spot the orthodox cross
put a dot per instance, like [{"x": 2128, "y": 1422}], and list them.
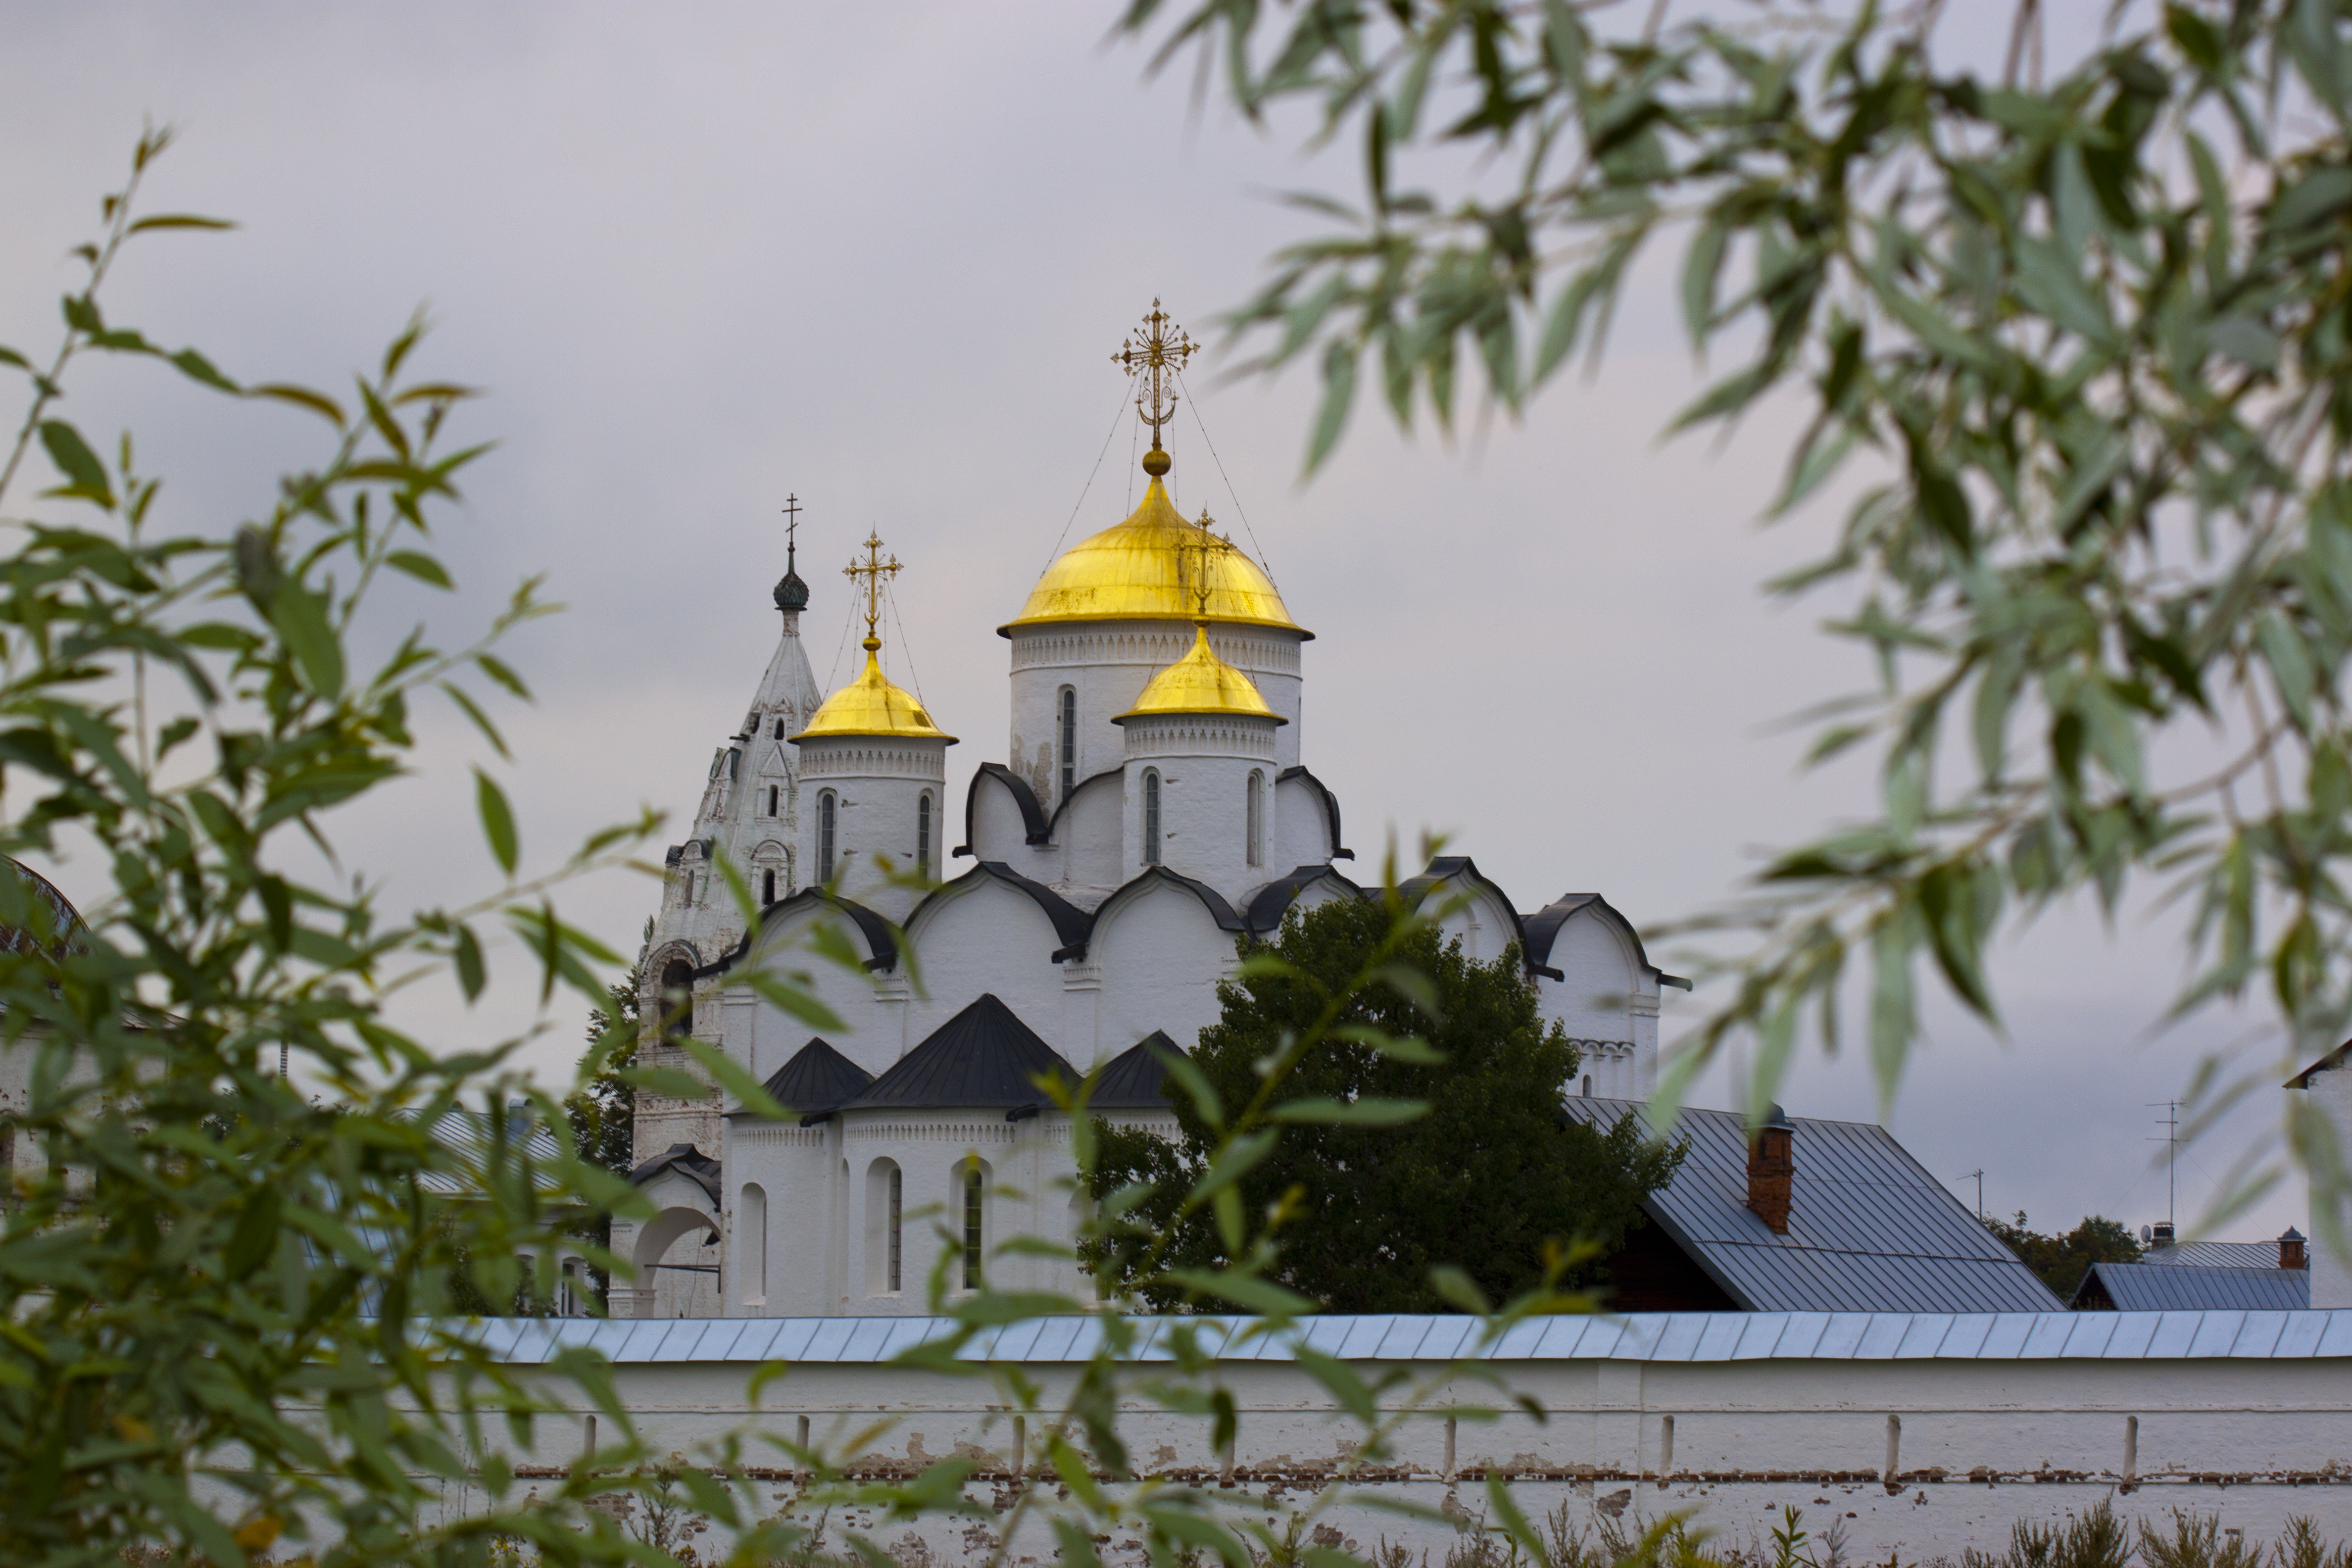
[
  {"x": 791, "y": 511},
  {"x": 873, "y": 569},
  {"x": 1160, "y": 348},
  {"x": 1193, "y": 558}
]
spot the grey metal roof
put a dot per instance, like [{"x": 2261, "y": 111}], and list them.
[
  {"x": 464, "y": 1133},
  {"x": 1383, "y": 1336},
  {"x": 1131, "y": 1079},
  {"x": 2188, "y": 1287},
  {"x": 983, "y": 1057},
  {"x": 688, "y": 1162},
  {"x": 817, "y": 1079},
  {"x": 1869, "y": 1229},
  {"x": 2216, "y": 1254}
]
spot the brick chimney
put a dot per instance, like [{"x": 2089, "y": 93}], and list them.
[
  {"x": 1770, "y": 1163},
  {"x": 2291, "y": 1254}
]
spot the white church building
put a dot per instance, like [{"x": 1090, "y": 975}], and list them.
[{"x": 1154, "y": 810}]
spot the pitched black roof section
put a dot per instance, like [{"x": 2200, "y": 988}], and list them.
[
  {"x": 1869, "y": 1229},
  {"x": 1330, "y": 806},
  {"x": 881, "y": 936},
  {"x": 1542, "y": 928},
  {"x": 1131, "y": 1080},
  {"x": 1033, "y": 815},
  {"x": 1072, "y": 925},
  {"x": 983, "y": 1058},
  {"x": 1462, "y": 868},
  {"x": 1271, "y": 903},
  {"x": 2328, "y": 1063},
  {"x": 1221, "y": 911},
  {"x": 817, "y": 1079},
  {"x": 688, "y": 1162}
]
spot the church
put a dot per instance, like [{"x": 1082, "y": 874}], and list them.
[{"x": 1154, "y": 808}]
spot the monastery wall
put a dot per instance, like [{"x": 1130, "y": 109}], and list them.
[{"x": 1918, "y": 1452}]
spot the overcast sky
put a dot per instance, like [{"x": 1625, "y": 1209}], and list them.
[{"x": 878, "y": 255}]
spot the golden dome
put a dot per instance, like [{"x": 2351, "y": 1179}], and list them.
[
  {"x": 1139, "y": 570},
  {"x": 871, "y": 705},
  {"x": 1200, "y": 682}
]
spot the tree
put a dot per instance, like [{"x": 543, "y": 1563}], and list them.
[
  {"x": 1484, "y": 1177},
  {"x": 2063, "y": 1261},
  {"x": 603, "y": 1111},
  {"x": 2077, "y": 345}
]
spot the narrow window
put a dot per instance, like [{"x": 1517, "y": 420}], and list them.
[
  {"x": 1254, "y": 828},
  {"x": 1151, "y": 816},
  {"x": 771, "y": 800},
  {"x": 971, "y": 1230},
  {"x": 780, "y": 728},
  {"x": 677, "y": 996},
  {"x": 768, "y": 887},
  {"x": 896, "y": 1255},
  {"x": 751, "y": 1216},
  {"x": 1069, "y": 742},
  {"x": 825, "y": 835},
  {"x": 923, "y": 835},
  {"x": 1587, "y": 1086}
]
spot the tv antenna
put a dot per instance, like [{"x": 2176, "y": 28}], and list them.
[
  {"x": 1979, "y": 1175},
  {"x": 2171, "y": 1125}
]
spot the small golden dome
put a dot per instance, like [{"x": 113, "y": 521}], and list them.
[
  {"x": 871, "y": 705},
  {"x": 1138, "y": 571},
  {"x": 1200, "y": 682}
]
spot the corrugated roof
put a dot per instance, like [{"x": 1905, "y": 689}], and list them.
[
  {"x": 1869, "y": 1229},
  {"x": 1380, "y": 1337},
  {"x": 984, "y": 1056},
  {"x": 2189, "y": 1286},
  {"x": 1131, "y": 1080},
  {"x": 2216, "y": 1254},
  {"x": 464, "y": 1133},
  {"x": 817, "y": 1079}
]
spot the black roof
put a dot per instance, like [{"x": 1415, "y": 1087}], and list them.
[
  {"x": 817, "y": 1079},
  {"x": 1462, "y": 868},
  {"x": 1268, "y": 904},
  {"x": 1330, "y": 806},
  {"x": 1869, "y": 1229},
  {"x": 1072, "y": 925},
  {"x": 1212, "y": 901},
  {"x": 1131, "y": 1080},
  {"x": 1033, "y": 815},
  {"x": 2328, "y": 1063},
  {"x": 688, "y": 1162},
  {"x": 881, "y": 936},
  {"x": 984, "y": 1056}
]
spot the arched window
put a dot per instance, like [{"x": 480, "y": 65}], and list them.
[
  {"x": 771, "y": 800},
  {"x": 780, "y": 728},
  {"x": 752, "y": 1233},
  {"x": 1587, "y": 1086},
  {"x": 678, "y": 996},
  {"x": 1069, "y": 741},
  {"x": 973, "y": 1193},
  {"x": 1253, "y": 827},
  {"x": 1151, "y": 816},
  {"x": 767, "y": 887},
  {"x": 885, "y": 1189},
  {"x": 824, "y": 809},
  {"x": 923, "y": 835}
]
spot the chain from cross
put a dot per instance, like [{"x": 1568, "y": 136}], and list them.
[
  {"x": 874, "y": 569},
  {"x": 1192, "y": 560},
  {"x": 1160, "y": 348}
]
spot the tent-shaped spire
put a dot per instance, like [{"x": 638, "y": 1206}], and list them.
[{"x": 983, "y": 1057}]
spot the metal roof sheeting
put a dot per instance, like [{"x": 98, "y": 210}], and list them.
[
  {"x": 1650, "y": 1337},
  {"x": 1869, "y": 1229},
  {"x": 2181, "y": 1287},
  {"x": 2216, "y": 1254}
]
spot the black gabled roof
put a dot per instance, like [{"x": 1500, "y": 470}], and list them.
[
  {"x": 1462, "y": 868},
  {"x": 688, "y": 1162},
  {"x": 1072, "y": 925},
  {"x": 983, "y": 1057},
  {"x": 817, "y": 1079},
  {"x": 1330, "y": 806},
  {"x": 1267, "y": 905},
  {"x": 1033, "y": 815},
  {"x": 1131, "y": 1080},
  {"x": 881, "y": 936},
  {"x": 1212, "y": 901}
]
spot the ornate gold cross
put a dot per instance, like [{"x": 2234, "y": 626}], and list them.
[
  {"x": 1193, "y": 559},
  {"x": 873, "y": 569},
  {"x": 1160, "y": 348}
]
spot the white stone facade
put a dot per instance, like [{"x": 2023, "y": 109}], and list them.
[{"x": 1056, "y": 895}]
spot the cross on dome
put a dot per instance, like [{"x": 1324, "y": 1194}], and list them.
[
  {"x": 873, "y": 569},
  {"x": 1155, "y": 351}
]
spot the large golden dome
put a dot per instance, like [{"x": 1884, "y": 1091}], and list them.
[
  {"x": 1140, "y": 571},
  {"x": 871, "y": 705},
  {"x": 1200, "y": 682}
]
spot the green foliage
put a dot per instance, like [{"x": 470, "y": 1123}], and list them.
[
  {"x": 227, "y": 1291},
  {"x": 1452, "y": 1152},
  {"x": 2062, "y": 1260},
  {"x": 2093, "y": 1539},
  {"x": 602, "y": 1111},
  {"x": 2078, "y": 349}
]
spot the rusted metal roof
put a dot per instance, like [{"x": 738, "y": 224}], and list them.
[
  {"x": 1869, "y": 1229},
  {"x": 1383, "y": 1336}
]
